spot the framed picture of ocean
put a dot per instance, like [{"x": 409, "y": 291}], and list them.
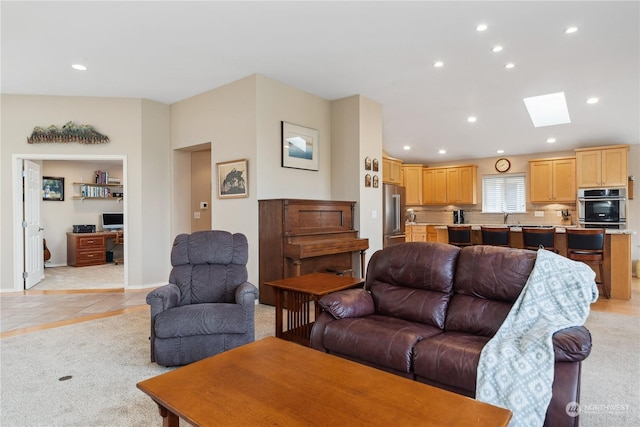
[{"x": 300, "y": 147}]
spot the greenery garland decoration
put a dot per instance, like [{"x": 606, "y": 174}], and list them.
[{"x": 84, "y": 134}]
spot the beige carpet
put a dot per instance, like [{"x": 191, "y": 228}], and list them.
[
  {"x": 107, "y": 276},
  {"x": 107, "y": 357}
]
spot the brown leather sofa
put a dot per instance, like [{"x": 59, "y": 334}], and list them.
[{"x": 427, "y": 311}]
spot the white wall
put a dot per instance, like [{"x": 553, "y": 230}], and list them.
[
  {"x": 242, "y": 121},
  {"x": 356, "y": 128},
  {"x": 277, "y": 102},
  {"x": 122, "y": 120}
]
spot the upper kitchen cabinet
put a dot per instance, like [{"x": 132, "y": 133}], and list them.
[
  {"x": 450, "y": 185},
  {"x": 552, "y": 180},
  {"x": 391, "y": 170},
  {"x": 462, "y": 185},
  {"x": 602, "y": 166},
  {"x": 412, "y": 176},
  {"x": 434, "y": 186}
]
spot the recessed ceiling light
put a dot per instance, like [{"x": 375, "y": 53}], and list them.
[
  {"x": 497, "y": 48},
  {"x": 571, "y": 30},
  {"x": 79, "y": 67},
  {"x": 438, "y": 64},
  {"x": 500, "y": 151},
  {"x": 547, "y": 110},
  {"x": 406, "y": 147},
  {"x": 472, "y": 119},
  {"x": 551, "y": 140},
  {"x": 481, "y": 27},
  {"x": 509, "y": 65},
  {"x": 593, "y": 100},
  {"x": 442, "y": 151}
]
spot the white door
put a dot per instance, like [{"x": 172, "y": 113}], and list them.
[{"x": 33, "y": 243}]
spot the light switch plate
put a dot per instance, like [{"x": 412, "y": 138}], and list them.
[
  {"x": 196, "y": 215},
  {"x": 538, "y": 213}
]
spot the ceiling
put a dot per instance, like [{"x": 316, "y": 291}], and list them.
[{"x": 169, "y": 51}]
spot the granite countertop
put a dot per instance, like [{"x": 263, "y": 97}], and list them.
[{"x": 518, "y": 227}]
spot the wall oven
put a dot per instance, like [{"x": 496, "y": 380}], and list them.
[{"x": 602, "y": 207}]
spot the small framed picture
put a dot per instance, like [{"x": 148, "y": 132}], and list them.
[
  {"x": 232, "y": 179},
  {"x": 375, "y": 181},
  {"x": 53, "y": 188},
  {"x": 300, "y": 147},
  {"x": 367, "y": 164},
  {"x": 375, "y": 166},
  {"x": 367, "y": 180}
]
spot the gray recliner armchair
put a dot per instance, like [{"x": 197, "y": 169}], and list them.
[{"x": 208, "y": 306}]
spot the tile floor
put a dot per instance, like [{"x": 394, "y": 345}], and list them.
[{"x": 29, "y": 309}]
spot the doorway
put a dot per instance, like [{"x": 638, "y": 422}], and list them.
[{"x": 56, "y": 223}]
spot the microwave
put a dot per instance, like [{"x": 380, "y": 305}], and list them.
[{"x": 602, "y": 207}]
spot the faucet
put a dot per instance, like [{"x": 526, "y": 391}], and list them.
[{"x": 505, "y": 215}]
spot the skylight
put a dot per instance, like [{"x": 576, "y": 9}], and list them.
[{"x": 547, "y": 110}]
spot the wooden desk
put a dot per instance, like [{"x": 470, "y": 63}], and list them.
[
  {"x": 299, "y": 292},
  {"x": 275, "y": 382},
  {"x": 85, "y": 249}
]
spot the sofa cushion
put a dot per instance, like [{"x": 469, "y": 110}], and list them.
[
  {"x": 413, "y": 281},
  {"x": 381, "y": 340},
  {"x": 488, "y": 281},
  {"x": 449, "y": 358},
  {"x": 201, "y": 319}
]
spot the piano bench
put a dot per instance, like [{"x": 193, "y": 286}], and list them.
[{"x": 340, "y": 271}]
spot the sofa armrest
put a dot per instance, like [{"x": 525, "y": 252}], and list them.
[
  {"x": 572, "y": 344},
  {"x": 317, "y": 331},
  {"x": 246, "y": 294},
  {"x": 348, "y": 303},
  {"x": 163, "y": 298}
]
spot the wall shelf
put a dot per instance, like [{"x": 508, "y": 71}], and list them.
[{"x": 93, "y": 191}]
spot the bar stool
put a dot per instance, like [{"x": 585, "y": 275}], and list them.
[
  {"x": 539, "y": 238},
  {"x": 587, "y": 245},
  {"x": 495, "y": 236},
  {"x": 459, "y": 235}
]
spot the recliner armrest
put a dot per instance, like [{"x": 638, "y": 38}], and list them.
[
  {"x": 246, "y": 293},
  {"x": 572, "y": 344},
  {"x": 163, "y": 298},
  {"x": 348, "y": 303}
]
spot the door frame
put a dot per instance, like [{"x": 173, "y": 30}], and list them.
[{"x": 18, "y": 243}]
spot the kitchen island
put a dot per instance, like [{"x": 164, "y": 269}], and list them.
[{"x": 617, "y": 251}]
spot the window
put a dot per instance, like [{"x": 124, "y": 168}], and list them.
[{"x": 503, "y": 193}]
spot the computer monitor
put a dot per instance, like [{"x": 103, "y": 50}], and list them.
[{"x": 112, "y": 220}]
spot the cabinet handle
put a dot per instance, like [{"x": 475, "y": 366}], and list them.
[{"x": 89, "y": 241}]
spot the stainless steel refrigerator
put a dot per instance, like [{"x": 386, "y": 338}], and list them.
[{"x": 393, "y": 215}]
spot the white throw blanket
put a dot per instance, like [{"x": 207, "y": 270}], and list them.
[{"x": 516, "y": 366}]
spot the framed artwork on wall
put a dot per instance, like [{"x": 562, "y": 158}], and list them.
[
  {"x": 232, "y": 179},
  {"x": 300, "y": 147},
  {"x": 53, "y": 188}
]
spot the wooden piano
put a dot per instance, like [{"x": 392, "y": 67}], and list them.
[{"x": 299, "y": 237}]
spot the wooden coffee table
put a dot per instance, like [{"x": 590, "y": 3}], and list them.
[
  {"x": 300, "y": 291},
  {"x": 275, "y": 382}
]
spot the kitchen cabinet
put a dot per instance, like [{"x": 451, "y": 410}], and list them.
[
  {"x": 418, "y": 233},
  {"x": 434, "y": 186},
  {"x": 450, "y": 185},
  {"x": 391, "y": 170},
  {"x": 552, "y": 180},
  {"x": 602, "y": 166},
  {"x": 462, "y": 184},
  {"x": 412, "y": 176}
]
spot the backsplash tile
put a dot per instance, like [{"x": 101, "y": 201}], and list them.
[{"x": 444, "y": 215}]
